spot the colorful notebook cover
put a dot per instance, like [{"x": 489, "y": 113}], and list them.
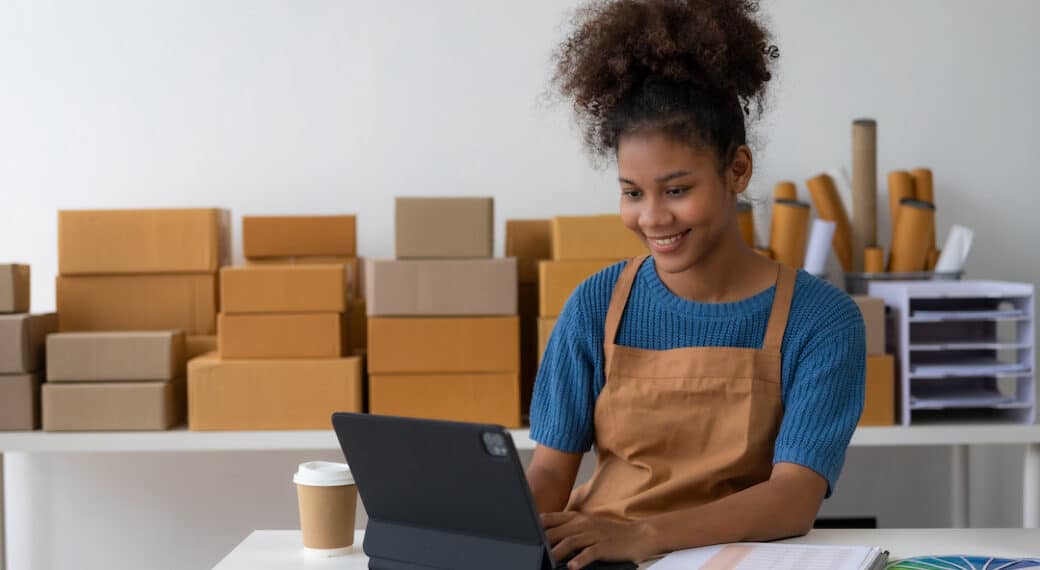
[{"x": 963, "y": 563}]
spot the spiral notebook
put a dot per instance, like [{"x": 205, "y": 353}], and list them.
[{"x": 758, "y": 555}]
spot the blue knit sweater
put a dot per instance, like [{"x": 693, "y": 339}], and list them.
[{"x": 823, "y": 360}]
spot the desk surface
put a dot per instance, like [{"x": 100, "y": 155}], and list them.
[{"x": 283, "y": 549}]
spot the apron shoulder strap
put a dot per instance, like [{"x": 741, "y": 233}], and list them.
[
  {"x": 619, "y": 298},
  {"x": 774, "y": 338}
]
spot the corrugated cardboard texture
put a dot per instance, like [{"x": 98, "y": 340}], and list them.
[
  {"x": 138, "y": 302},
  {"x": 19, "y": 402},
  {"x": 593, "y": 237},
  {"x": 558, "y": 279},
  {"x": 528, "y": 308},
  {"x": 545, "y": 327},
  {"x": 14, "y": 288},
  {"x": 106, "y": 406},
  {"x": 271, "y": 394},
  {"x": 22, "y": 340},
  {"x": 879, "y": 406},
  {"x": 357, "y": 326},
  {"x": 353, "y": 267},
  {"x": 423, "y": 345},
  {"x": 288, "y": 236},
  {"x": 529, "y": 241},
  {"x": 197, "y": 345},
  {"x": 283, "y": 289},
  {"x": 102, "y": 242},
  {"x": 873, "y": 310},
  {"x": 483, "y": 398},
  {"x": 445, "y": 287},
  {"x": 115, "y": 356},
  {"x": 434, "y": 228},
  {"x": 292, "y": 335}
]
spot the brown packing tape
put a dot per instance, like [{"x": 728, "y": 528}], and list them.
[
  {"x": 864, "y": 188},
  {"x": 829, "y": 207},
  {"x": 910, "y": 240},
  {"x": 746, "y": 220},
  {"x": 874, "y": 260},
  {"x": 900, "y": 187},
  {"x": 789, "y": 232},
  {"x": 924, "y": 190},
  {"x": 785, "y": 190}
]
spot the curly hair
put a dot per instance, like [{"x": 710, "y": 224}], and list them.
[{"x": 690, "y": 68}]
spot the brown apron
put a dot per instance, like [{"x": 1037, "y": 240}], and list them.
[{"x": 679, "y": 428}]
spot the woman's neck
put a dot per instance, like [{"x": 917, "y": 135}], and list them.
[{"x": 732, "y": 271}]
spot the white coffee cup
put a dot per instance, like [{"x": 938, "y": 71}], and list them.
[{"x": 328, "y": 504}]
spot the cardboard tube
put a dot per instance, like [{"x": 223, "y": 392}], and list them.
[
  {"x": 900, "y": 187},
  {"x": 829, "y": 207},
  {"x": 864, "y": 188},
  {"x": 746, "y": 220},
  {"x": 955, "y": 250},
  {"x": 910, "y": 239},
  {"x": 925, "y": 192},
  {"x": 764, "y": 252},
  {"x": 821, "y": 235},
  {"x": 931, "y": 260},
  {"x": 874, "y": 260},
  {"x": 789, "y": 232},
  {"x": 785, "y": 190}
]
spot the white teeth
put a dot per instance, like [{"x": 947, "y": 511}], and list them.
[{"x": 668, "y": 241}]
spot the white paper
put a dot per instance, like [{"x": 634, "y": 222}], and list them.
[
  {"x": 955, "y": 250},
  {"x": 755, "y": 556},
  {"x": 843, "y": 184},
  {"x": 820, "y": 236}
]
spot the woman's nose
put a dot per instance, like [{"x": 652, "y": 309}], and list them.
[{"x": 655, "y": 214}]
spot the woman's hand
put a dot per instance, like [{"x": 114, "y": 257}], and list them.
[{"x": 595, "y": 538}]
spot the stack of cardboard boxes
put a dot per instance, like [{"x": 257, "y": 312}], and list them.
[
  {"x": 529, "y": 241},
  {"x": 21, "y": 350},
  {"x": 442, "y": 329},
  {"x": 150, "y": 275},
  {"x": 581, "y": 246},
  {"x": 282, "y": 332},
  {"x": 879, "y": 407}
]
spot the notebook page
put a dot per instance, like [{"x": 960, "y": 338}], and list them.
[{"x": 767, "y": 556}]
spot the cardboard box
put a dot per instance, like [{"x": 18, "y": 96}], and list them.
[
  {"x": 420, "y": 345},
  {"x": 545, "y": 327},
  {"x": 197, "y": 345},
  {"x": 115, "y": 356},
  {"x": 879, "y": 407},
  {"x": 353, "y": 265},
  {"x": 447, "y": 287},
  {"x": 290, "y": 335},
  {"x": 104, "y": 406},
  {"x": 873, "y": 309},
  {"x": 19, "y": 402},
  {"x": 14, "y": 288},
  {"x": 105, "y": 242},
  {"x": 283, "y": 289},
  {"x": 436, "y": 228},
  {"x": 22, "y": 341},
  {"x": 482, "y": 398},
  {"x": 558, "y": 279},
  {"x": 357, "y": 326},
  {"x": 271, "y": 394},
  {"x": 529, "y": 241},
  {"x": 593, "y": 237},
  {"x": 286, "y": 236},
  {"x": 138, "y": 303}
]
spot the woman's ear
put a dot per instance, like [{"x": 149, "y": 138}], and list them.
[{"x": 738, "y": 173}]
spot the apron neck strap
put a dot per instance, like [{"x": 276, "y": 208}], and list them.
[
  {"x": 619, "y": 298},
  {"x": 786, "y": 276}
]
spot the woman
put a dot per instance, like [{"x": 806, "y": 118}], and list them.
[{"x": 720, "y": 388}]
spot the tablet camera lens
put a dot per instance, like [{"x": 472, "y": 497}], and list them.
[{"x": 495, "y": 444}]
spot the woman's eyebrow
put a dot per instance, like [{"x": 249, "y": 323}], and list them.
[{"x": 665, "y": 178}]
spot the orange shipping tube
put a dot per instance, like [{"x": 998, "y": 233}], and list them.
[
  {"x": 785, "y": 190},
  {"x": 789, "y": 232},
  {"x": 829, "y": 207},
  {"x": 900, "y": 187},
  {"x": 933, "y": 258},
  {"x": 910, "y": 239},
  {"x": 874, "y": 260},
  {"x": 746, "y": 219},
  {"x": 864, "y": 188},
  {"x": 924, "y": 191}
]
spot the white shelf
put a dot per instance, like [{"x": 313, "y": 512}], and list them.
[{"x": 927, "y": 347}]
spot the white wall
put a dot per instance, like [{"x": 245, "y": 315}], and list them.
[{"x": 269, "y": 106}]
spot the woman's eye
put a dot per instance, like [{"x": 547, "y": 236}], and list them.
[
  {"x": 632, "y": 194},
  {"x": 676, "y": 191}
]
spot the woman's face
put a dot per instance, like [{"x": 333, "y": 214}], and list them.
[{"x": 674, "y": 198}]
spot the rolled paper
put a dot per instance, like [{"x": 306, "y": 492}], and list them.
[
  {"x": 864, "y": 188},
  {"x": 764, "y": 252},
  {"x": 820, "y": 236},
  {"x": 955, "y": 251},
  {"x": 874, "y": 260},
  {"x": 900, "y": 187},
  {"x": 829, "y": 207},
  {"x": 931, "y": 260},
  {"x": 924, "y": 191},
  {"x": 910, "y": 239},
  {"x": 746, "y": 220},
  {"x": 785, "y": 190},
  {"x": 789, "y": 232}
]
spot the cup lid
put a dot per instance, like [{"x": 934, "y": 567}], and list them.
[{"x": 323, "y": 474}]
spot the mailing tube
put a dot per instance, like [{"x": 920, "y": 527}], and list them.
[
  {"x": 864, "y": 188},
  {"x": 931, "y": 260},
  {"x": 910, "y": 240},
  {"x": 874, "y": 260},
  {"x": 924, "y": 190},
  {"x": 789, "y": 232},
  {"x": 900, "y": 187},
  {"x": 820, "y": 237},
  {"x": 785, "y": 190},
  {"x": 829, "y": 207}
]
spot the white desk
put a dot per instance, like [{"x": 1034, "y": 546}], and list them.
[
  {"x": 959, "y": 437},
  {"x": 283, "y": 549}
]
